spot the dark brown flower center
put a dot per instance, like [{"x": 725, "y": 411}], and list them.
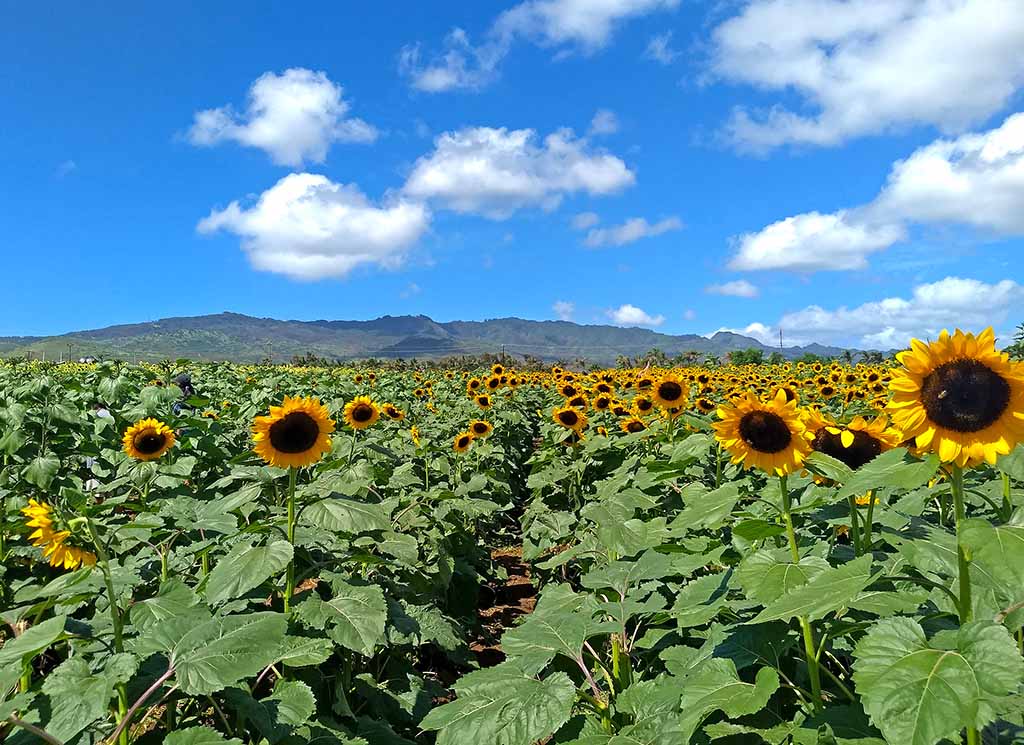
[
  {"x": 362, "y": 413},
  {"x": 149, "y": 442},
  {"x": 296, "y": 432},
  {"x": 463, "y": 442},
  {"x": 670, "y": 391},
  {"x": 765, "y": 431},
  {"x": 636, "y": 426},
  {"x": 864, "y": 449},
  {"x": 644, "y": 404},
  {"x": 965, "y": 395},
  {"x": 480, "y": 428},
  {"x": 568, "y": 418}
]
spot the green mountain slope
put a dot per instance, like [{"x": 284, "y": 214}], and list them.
[{"x": 240, "y": 338}]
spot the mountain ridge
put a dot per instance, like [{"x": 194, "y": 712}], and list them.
[{"x": 241, "y": 338}]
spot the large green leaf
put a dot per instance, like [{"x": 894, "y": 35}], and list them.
[
  {"x": 32, "y": 641},
  {"x": 245, "y": 567},
  {"x": 717, "y": 687},
  {"x": 41, "y": 470},
  {"x": 917, "y": 693},
  {"x": 706, "y": 509},
  {"x": 769, "y": 574},
  {"x": 823, "y": 594},
  {"x": 895, "y": 468},
  {"x": 346, "y": 516},
  {"x": 354, "y": 616},
  {"x": 998, "y": 551},
  {"x": 503, "y": 706},
  {"x": 561, "y": 623},
  {"x": 217, "y": 653},
  {"x": 78, "y": 696},
  {"x": 700, "y": 600}
]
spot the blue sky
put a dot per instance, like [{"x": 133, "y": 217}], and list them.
[{"x": 811, "y": 165}]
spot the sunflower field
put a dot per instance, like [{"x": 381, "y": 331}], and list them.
[{"x": 817, "y": 554}]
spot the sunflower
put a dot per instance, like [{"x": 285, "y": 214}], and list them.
[
  {"x": 578, "y": 402},
  {"x": 568, "y": 390},
  {"x": 959, "y": 398},
  {"x": 414, "y": 433},
  {"x": 705, "y": 405},
  {"x": 480, "y": 428},
  {"x": 393, "y": 412},
  {"x": 462, "y": 442},
  {"x": 643, "y": 405},
  {"x": 602, "y": 401},
  {"x": 856, "y": 443},
  {"x": 361, "y": 412},
  {"x": 54, "y": 542},
  {"x": 569, "y": 418},
  {"x": 295, "y": 434},
  {"x": 669, "y": 391},
  {"x": 633, "y": 425},
  {"x": 769, "y": 436},
  {"x": 483, "y": 401},
  {"x": 493, "y": 383},
  {"x": 497, "y": 369},
  {"x": 148, "y": 439}
]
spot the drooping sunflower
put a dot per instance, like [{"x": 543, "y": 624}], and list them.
[
  {"x": 54, "y": 542},
  {"x": 569, "y": 418},
  {"x": 361, "y": 412},
  {"x": 769, "y": 436},
  {"x": 462, "y": 442},
  {"x": 856, "y": 443},
  {"x": 959, "y": 397},
  {"x": 393, "y": 412},
  {"x": 294, "y": 434},
  {"x": 147, "y": 439},
  {"x": 633, "y": 425},
  {"x": 669, "y": 392},
  {"x": 480, "y": 428}
]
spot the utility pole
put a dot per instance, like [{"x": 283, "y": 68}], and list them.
[{"x": 780, "y": 340}]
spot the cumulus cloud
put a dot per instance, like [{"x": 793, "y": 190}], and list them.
[
  {"x": 494, "y": 172},
  {"x": 582, "y": 25},
  {"x": 564, "y": 310},
  {"x": 891, "y": 322},
  {"x": 736, "y": 288},
  {"x": 585, "y": 220},
  {"x": 307, "y": 227},
  {"x": 630, "y": 315},
  {"x": 758, "y": 331},
  {"x": 605, "y": 122},
  {"x": 866, "y": 67},
  {"x": 974, "y": 180},
  {"x": 659, "y": 49},
  {"x": 634, "y": 229},
  {"x": 294, "y": 117}
]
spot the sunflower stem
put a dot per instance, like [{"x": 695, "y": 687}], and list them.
[
  {"x": 115, "y": 619},
  {"x": 854, "y": 525},
  {"x": 718, "y": 464},
  {"x": 1007, "y": 504},
  {"x": 966, "y": 606},
  {"x": 810, "y": 651},
  {"x": 289, "y": 582},
  {"x": 869, "y": 521}
]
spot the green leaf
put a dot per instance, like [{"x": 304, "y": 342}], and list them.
[
  {"x": 199, "y": 736},
  {"x": 217, "y": 653},
  {"x": 174, "y": 599},
  {"x": 22, "y": 648},
  {"x": 825, "y": 593},
  {"x": 244, "y": 568},
  {"x": 829, "y": 467},
  {"x": 919, "y": 694},
  {"x": 346, "y": 516},
  {"x": 768, "y": 574},
  {"x": 303, "y": 651},
  {"x": 717, "y": 687},
  {"x": 79, "y": 697},
  {"x": 503, "y": 706},
  {"x": 560, "y": 624},
  {"x": 706, "y": 509},
  {"x": 354, "y": 617},
  {"x": 700, "y": 600},
  {"x": 894, "y": 468},
  {"x": 998, "y": 551},
  {"x": 41, "y": 470}
]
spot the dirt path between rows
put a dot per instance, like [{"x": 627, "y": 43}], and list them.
[{"x": 502, "y": 604}]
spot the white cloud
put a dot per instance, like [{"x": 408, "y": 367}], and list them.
[
  {"x": 411, "y": 290},
  {"x": 564, "y": 310},
  {"x": 659, "y": 49},
  {"x": 494, "y": 172},
  {"x": 975, "y": 180},
  {"x": 632, "y": 230},
  {"x": 294, "y": 117},
  {"x": 630, "y": 315},
  {"x": 813, "y": 241},
  {"x": 690, "y": 314},
  {"x": 870, "y": 66},
  {"x": 736, "y": 288},
  {"x": 307, "y": 227},
  {"x": 462, "y": 65},
  {"x": 605, "y": 122},
  {"x": 891, "y": 322},
  {"x": 585, "y": 220},
  {"x": 585, "y": 25}
]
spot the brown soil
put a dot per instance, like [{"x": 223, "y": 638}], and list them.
[{"x": 502, "y": 604}]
